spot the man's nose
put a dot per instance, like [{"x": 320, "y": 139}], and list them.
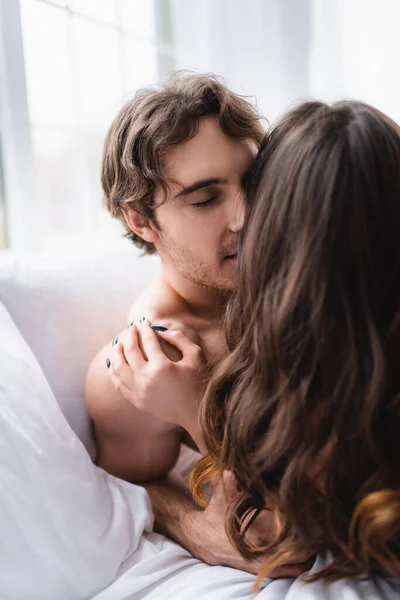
[{"x": 238, "y": 212}]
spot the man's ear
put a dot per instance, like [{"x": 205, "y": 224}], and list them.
[{"x": 144, "y": 229}]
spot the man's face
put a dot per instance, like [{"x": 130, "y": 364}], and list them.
[{"x": 198, "y": 225}]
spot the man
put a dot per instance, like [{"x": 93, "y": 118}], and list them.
[{"x": 173, "y": 169}]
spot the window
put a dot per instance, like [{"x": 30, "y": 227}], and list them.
[{"x": 82, "y": 59}]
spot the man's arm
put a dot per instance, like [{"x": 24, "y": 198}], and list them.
[
  {"x": 202, "y": 532},
  {"x": 177, "y": 517},
  {"x": 131, "y": 444}
]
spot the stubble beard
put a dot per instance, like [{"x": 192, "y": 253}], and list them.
[{"x": 195, "y": 269}]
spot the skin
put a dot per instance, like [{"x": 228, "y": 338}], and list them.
[{"x": 196, "y": 234}]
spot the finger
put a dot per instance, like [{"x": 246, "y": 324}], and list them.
[
  {"x": 180, "y": 341},
  {"x": 120, "y": 386},
  {"x": 115, "y": 362},
  {"x": 150, "y": 342},
  {"x": 224, "y": 489},
  {"x": 291, "y": 570},
  {"x": 302, "y": 558},
  {"x": 120, "y": 367},
  {"x": 132, "y": 351},
  {"x": 286, "y": 571},
  {"x": 242, "y": 564},
  {"x": 229, "y": 485}
]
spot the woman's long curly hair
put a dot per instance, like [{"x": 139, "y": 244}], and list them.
[{"x": 305, "y": 410}]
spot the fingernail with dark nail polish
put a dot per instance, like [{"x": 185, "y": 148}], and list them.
[
  {"x": 141, "y": 319},
  {"x": 108, "y": 363},
  {"x": 130, "y": 324},
  {"x": 115, "y": 342},
  {"x": 159, "y": 328}
]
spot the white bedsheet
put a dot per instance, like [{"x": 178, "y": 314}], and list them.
[{"x": 160, "y": 569}]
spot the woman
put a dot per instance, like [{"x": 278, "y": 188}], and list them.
[
  {"x": 305, "y": 410},
  {"x": 311, "y": 392}
]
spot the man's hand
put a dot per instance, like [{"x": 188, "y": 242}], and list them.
[
  {"x": 212, "y": 519},
  {"x": 168, "y": 389},
  {"x": 203, "y": 533}
]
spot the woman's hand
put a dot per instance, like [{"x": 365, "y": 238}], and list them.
[{"x": 142, "y": 372}]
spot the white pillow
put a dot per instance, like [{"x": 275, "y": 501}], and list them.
[
  {"x": 65, "y": 525},
  {"x": 67, "y": 306}
]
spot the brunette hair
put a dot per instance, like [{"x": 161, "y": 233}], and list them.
[
  {"x": 305, "y": 411},
  {"x": 153, "y": 121}
]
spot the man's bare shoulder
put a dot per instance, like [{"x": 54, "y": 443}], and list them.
[{"x": 161, "y": 305}]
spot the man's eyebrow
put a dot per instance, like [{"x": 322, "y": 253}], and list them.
[{"x": 198, "y": 185}]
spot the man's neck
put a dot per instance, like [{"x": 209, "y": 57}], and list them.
[{"x": 204, "y": 302}]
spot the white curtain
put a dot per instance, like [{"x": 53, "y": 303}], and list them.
[
  {"x": 285, "y": 50},
  {"x": 260, "y": 47},
  {"x": 356, "y": 52}
]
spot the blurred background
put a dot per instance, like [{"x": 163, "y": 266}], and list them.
[{"x": 67, "y": 66}]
